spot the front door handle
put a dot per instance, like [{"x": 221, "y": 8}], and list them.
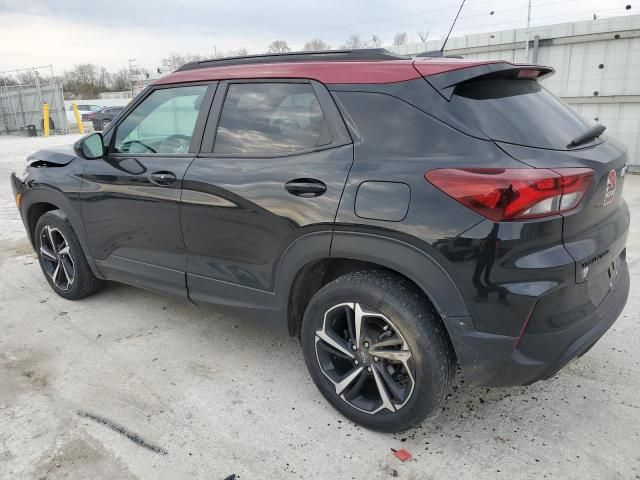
[
  {"x": 305, "y": 187},
  {"x": 162, "y": 178}
]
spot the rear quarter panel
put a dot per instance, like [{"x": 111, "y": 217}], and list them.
[{"x": 395, "y": 141}]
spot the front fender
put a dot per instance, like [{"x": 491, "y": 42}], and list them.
[{"x": 31, "y": 195}]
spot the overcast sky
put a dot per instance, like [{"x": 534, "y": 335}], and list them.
[{"x": 108, "y": 33}]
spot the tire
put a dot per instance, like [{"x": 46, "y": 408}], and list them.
[
  {"x": 73, "y": 278},
  {"x": 421, "y": 382}
]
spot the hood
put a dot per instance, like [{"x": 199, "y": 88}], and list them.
[{"x": 58, "y": 156}]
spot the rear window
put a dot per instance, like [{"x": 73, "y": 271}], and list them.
[{"x": 519, "y": 111}]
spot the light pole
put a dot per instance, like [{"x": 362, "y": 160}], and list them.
[
  {"x": 526, "y": 46},
  {"x": 131, "y": 67}
]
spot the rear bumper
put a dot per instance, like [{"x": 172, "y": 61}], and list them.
[{"x": 496, "y": 360}]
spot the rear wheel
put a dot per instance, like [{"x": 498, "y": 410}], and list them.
[
  {"x": 62, "y": 259},
  {"x": 377, "y": 350}
]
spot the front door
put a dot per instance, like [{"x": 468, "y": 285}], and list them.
[
  {"x": 130, "y": 198},
  {"x": 275, "y": 171}
]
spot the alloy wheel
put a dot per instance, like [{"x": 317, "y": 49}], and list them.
[
  {"x": 55, "y": 253},
  {"x": 366, "y": 358}
]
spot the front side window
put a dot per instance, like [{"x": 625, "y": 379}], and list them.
[
  {"x": 261, "y": 119},
  {"x": 163, "y": 123}
]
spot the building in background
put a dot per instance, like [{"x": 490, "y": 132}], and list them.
[{"x": 597, "y": 65}]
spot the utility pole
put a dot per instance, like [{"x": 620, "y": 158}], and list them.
[
  {"x": 526, "y": 47},
  {"x": 131, "y": 67}
]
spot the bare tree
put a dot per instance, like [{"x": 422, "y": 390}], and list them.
[
  {"x": 400, "y": 39},
  {"x": 27, "y": 77},
  {"x": 104, "y": 79},
  {"x": 120, "y": 80},
  {"x": 423, "y": 35},
  {"x": 83, "y": 80},
  {"x": 376, "y": 41},
  {"x": 239, "y": 52},
  {"x": 354, "y": 41},
  {"x": 316, "y": 45},
  {"x": 175, "y": 60},
  {"x": 278, "y": 46},
  {"x": 7, "y": 81}
]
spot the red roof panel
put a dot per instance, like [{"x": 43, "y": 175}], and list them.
[{"x": 386, "y": 71}]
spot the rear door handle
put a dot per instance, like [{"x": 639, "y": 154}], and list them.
[
  {"x": 162, "y": 178},
  {"x": 305, "y": 187}
]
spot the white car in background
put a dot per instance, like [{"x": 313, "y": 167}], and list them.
[{"x": 85, "y": 109}]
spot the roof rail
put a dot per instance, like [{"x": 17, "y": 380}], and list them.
[{"x": 362, "y": 54}]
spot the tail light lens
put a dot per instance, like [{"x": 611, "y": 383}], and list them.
[{"x": 503, "y": 194}]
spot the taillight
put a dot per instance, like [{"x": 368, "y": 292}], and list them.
[{"x": 503, "y": 194}]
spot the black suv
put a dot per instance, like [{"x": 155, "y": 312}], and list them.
[
  {"x": 399, "y": 216},
  {"x": 102, "y": 118}
]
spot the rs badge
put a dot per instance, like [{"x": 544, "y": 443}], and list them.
[{"x": 610, "y": 192}]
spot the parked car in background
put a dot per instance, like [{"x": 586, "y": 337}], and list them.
[
  {"x": 400, "y": 217},
  {"x": 102, "y": 118},
  {"x": 85, "y": 110}
]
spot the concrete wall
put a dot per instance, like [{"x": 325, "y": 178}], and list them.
[{"x": 597, "y": 67}]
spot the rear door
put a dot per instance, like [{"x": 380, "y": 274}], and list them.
[
  {"x": 274, "y": 161},
  {"x": 537, "y": 128}
]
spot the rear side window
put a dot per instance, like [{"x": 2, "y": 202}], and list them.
[
  {"x": 265, "y": 119},
  {"x": 519, "y": 111}
]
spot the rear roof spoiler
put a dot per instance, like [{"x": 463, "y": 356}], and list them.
[{"x": 446, "y": 82}]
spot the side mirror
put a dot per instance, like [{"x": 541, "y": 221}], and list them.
[{"x": 90, "y": 147}]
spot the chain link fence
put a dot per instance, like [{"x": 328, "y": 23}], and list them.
[{"x": 21, "y": 104}]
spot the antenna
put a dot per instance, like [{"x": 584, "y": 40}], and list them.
[{"x": 452, "y": 25}]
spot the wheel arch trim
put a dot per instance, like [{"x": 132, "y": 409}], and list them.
[
  {"x": 409, "y": 260},
  {"x": 38, "y": 195},
  {"x": 376, "y": 248}
]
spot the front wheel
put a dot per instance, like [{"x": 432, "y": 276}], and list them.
[
  {"x": 377, "y": 350},
  {"x": 62, "y": 259}
]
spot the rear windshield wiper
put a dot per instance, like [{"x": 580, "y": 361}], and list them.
[{"x": 590, "y": 134}]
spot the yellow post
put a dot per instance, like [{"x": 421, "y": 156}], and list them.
[
  {"x": 78, "y": 117},
  {"x": 45, "y": 119}
]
